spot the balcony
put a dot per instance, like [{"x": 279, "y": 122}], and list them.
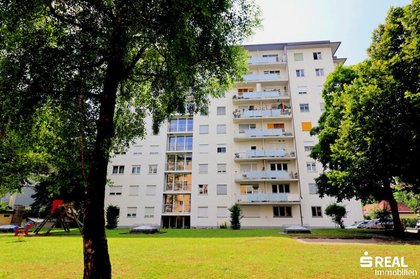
[
  {"x": 278, "y": 198},
  {"x": 261, "y": 114},
  {"x": 251, "y": 134},
  {"x": 264, "y": 77},
  {"x": 252, "y": 155},
  {"x": 261, "y": 95},
  {"x": 178, "y": 187},
  {"x": 263, "y": 176}
]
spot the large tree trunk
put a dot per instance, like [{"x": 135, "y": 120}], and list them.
[
  {"x": 398, "y": 228},
  {"x": 96, "y": 257}
]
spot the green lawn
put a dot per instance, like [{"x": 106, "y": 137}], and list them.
[{"x": 211, "y": 253}]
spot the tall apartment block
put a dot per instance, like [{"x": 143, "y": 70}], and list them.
[{"x": 252, "y": 148}]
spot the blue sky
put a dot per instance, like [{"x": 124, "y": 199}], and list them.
[{"x": 348, "y": 21}]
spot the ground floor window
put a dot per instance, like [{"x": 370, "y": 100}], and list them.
[
  {"x": 316, "y": 211},
  {"x": 282, "y": 211}
]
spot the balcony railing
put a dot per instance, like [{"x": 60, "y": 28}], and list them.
[
  {"x": 279, "y": 197},
  {"x": 264, "y": 133},
  {"x": 265, "y": 60},
  {"x": 276, "y": 175},
  {"x": 176, "y": 208},
  {"x": 264, "y": 77},
  {"x": 277, "y": 153},
  {"x": 260, "y": 113},
  {"x": 178, "y": 187},
  {"x": 262, "y": 95}
]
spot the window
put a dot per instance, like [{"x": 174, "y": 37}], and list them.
[
  {"x": 115, "y": 190},
  {"x": 278, "y": 167},
  {"x": 181, "y": 125},
  {"x": 221, "y": 110},
  {"x": 300, "y": 73},
  {"x": 135, "y": 169},
  {"x": 302, "y": 90},
  {"x": 180, "y": 143},
  {"x": 319, "y": 72},
  {"x": 221, "y": 149},
  {"x": 221, "y": 129},
  {"x": 248, "y": 167},
  {"x": 316, "y": 211},
  {"x": 221, "y": 168},
  {"x": 179, "y": 162},
  {"x": 280, "y": 188},
  {"x": 275, "y": 126},
  {"x": 133, "y": 190},
  {"x": 304, "y": 107},
  {"x": 308, "y": 147},
  {"x": 117, "y": 169},
  {"x": 322, "y": 106},
  {"x": 282, "y": 211},
  {"x": 153, "y": 169},
  {"x": 202, "y": 212},
  {"x": 317, "y": 55},
  {"x": 298, "y": 56},
  {"x": 131, "y": 212},
  {"x": 149, "y": 212},
  {"x": 203, "y": 148},
  {"x": 306, "y": 126},
  {"x": 274, "y": 72},
  {"x": 244, "y": 127},
  {"x": 313, "y": 188},
  {"x": 246, "y": 189},
  {"x": 222, "y": 212},
  {"x": 154, "y": 150},
  {"x": 221, "y": 189},
  {"x": 311, "y": 166},
  {"x": 150, "y": 190},
  {"x": 204, "y": 129},
  {"x": 203, "y": 189},
  {"x": 137, "y": 149},
  {"x": 203, "y": 168}
]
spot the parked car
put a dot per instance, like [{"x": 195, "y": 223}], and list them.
[
  {"x": 357, "y": 224},
  {"x": 378, "y": 224},
  {"x": 418, "y": 224}
]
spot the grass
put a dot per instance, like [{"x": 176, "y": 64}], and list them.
[{"x": 202, "y": 253}]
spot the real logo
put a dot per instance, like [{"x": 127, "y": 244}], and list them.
[{"x": 387, "y": 261}]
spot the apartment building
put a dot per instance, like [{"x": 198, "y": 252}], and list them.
[{"x": 252, "y": 148}]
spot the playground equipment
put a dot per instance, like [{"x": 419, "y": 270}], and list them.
[
  {"x": 60, "y": 214},
  {"x": 23, "y": 231}
]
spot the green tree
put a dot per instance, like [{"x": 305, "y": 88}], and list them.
[
  {"x": 235, "y": 216},
  {"x": 403, "y": 194},
  {"x": 337, "y": 213},
  {"x": 112, "y": 215},
  {"x": 105, "y": 65},
  {"x": 370, "y": 134}
]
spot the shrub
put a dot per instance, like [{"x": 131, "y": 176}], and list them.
[
  {"x": 409, "y": 222},
  {"x": 235, "y": 217},
  {"x": 112, "y": 214},
  {"x": 337, "y": 212}
]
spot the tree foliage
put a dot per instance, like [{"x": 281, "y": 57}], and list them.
[
  {"x": 112, "y": 215},
  {"x": 96, "y": 69},
  {"x": 369, "y": 133},
  {"x": 337, "y": 213},
  {"x": 235, "y": 216}
]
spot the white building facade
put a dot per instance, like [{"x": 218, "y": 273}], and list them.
[{"x": 252, "y": 148}]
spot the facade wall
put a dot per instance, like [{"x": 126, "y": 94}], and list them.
[{"x": 251, "y": 148}]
